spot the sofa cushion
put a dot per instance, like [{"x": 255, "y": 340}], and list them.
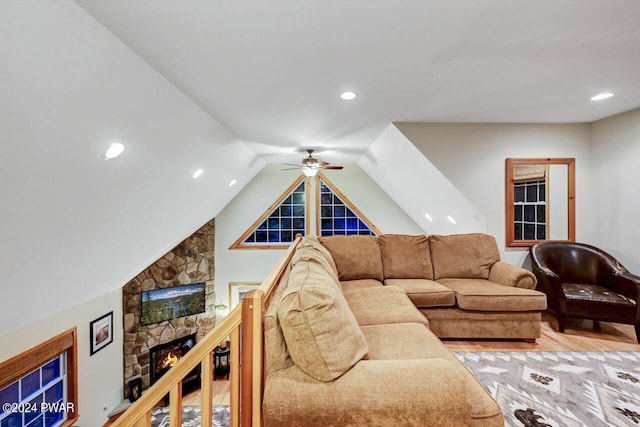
[
  {"x": 310, "y": 250},
  {"x": 361, "y": 283},
  {"x": 356, "y": 257},
  {"x": 484, "y": 295},
  {"x": 467, "y": 256},
  {"x": 405, "y": 257},
  {"x": 413, "y": 341},
  {"x": 385, "y": 304},
  {"x": 425, "y": 293},
  {"x": 322, "y": 335},
  {"x": 276, "y": 353}
]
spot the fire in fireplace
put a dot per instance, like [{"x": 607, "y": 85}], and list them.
[{"x": 164, "y": 356}]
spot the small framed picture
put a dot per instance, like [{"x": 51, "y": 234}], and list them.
[
  {"x": 101, "y": 331},
  {"x": 237, "y": 291},
  {"x": 135, "y": 389}
]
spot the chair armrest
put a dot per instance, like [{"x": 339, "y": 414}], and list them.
[
  {"x": 510, "y": 275},
  {"x": 428, "y": 392},
  {"x": 626, "y": 284}
]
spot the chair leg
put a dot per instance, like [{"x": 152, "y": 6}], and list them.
[
  {"x": 562, "y": 321},
  {"x": 596, "y": 326}
]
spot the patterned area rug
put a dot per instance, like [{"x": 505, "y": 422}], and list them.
[
  {"x": 552, "y": 389},
  {"x": 190, "y": 416}
]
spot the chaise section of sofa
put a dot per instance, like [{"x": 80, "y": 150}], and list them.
[{"x": 345, "y": 350}]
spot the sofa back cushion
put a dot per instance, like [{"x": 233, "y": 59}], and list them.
[
  {"x": 405, "y": 257},
  {"x": 322, "y": 335},
  {"x": 468, "y": 256},
  {"x": 275, "y": 347},
  {"x": 356, "y": 257},
  {"x": 310, "y": 250}
]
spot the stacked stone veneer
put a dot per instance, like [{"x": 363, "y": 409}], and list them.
[{"x": 191, "y": 261}]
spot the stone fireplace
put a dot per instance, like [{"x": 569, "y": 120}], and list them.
[{"x": 189, "y": 262}]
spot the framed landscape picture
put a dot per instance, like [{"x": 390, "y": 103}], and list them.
[
  {"x": 101, "y": 332},
  {"x": 163, "y": 304},
  {"x": 237, "y": 291}
]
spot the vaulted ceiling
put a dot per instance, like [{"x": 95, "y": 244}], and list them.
[{"x": 271, "y": 72}]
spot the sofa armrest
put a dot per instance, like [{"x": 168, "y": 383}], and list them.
[
  {"x": 429, "y": 392},
  {"x": 510, "y": 275}
]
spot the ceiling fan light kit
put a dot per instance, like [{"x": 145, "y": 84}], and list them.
[
  {"x": 309, "y": 171},
  {"x": 310, "y": 165}
]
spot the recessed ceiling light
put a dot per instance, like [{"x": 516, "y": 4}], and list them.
[
  {"x": 451, "y": 220},
  {"x": 348, "y": 96},
  {"x": 114, "y": 150},
  {"x": 233, "y": 182},
  {"x": 197, "y": 173},
  {"x": 601, "y": 96}
]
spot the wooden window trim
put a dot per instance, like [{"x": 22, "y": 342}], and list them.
[
  {"x": 20, "y": 365},
  {"x": 239, "y": 243},
  {"x": 345, "y": 200}
]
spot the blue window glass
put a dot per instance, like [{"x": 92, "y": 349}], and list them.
[
  {"x": 30, "y": 384},
  {"x": 54, "y": 394},
  {"x": 50, "y": 371},
  {"x": 285, "y": 210},
  {"x": 12, "y": 420},
  {"x": 31, "y": 416},
  {"x": 9, "y": 394},
  {"x": 282, "y": 224},
  {"x": 336, "y": 217}
]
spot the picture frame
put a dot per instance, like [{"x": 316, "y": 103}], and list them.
[
  {"x": 237, "y": 291},
  {"x": 101, "y": 332},
  {"x": 135, "y": 389}
]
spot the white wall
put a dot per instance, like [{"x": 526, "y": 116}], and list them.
[
  {"x": 472, "y": 156},
  {"x": 72, "y": 225},
  {"x": 100, "y": 375},
  {"x": 244, "y": 265},
  {"x": 616, "y": 185}
]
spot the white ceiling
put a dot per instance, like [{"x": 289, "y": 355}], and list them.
[{"x": 271, "y": 71}]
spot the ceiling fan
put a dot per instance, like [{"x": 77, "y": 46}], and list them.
[{"x": 310, "y": 165}]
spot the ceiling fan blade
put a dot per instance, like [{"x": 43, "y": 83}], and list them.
[
  {"x": 291, "y": 164},
  {"x": 290, "y": 169},
  {"x": 331, "y": 167}
]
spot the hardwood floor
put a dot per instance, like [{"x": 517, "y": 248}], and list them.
[{"x": 220, "y": 394}]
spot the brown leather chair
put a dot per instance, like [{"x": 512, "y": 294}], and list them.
[{"x": 585, "y": 282}]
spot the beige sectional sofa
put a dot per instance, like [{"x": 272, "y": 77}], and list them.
[{"x": 349, "y": 338}]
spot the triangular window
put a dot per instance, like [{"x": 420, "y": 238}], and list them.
[
  {"x": 337, "y": 215},
  {"x": 278, "y": 226}
]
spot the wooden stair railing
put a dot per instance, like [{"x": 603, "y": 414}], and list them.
[
  {"x": 244, "y": 327},
  {"x": 139, "y": 413}
]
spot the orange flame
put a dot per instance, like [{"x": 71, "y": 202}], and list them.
[{"x": 170, "y": 360}]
